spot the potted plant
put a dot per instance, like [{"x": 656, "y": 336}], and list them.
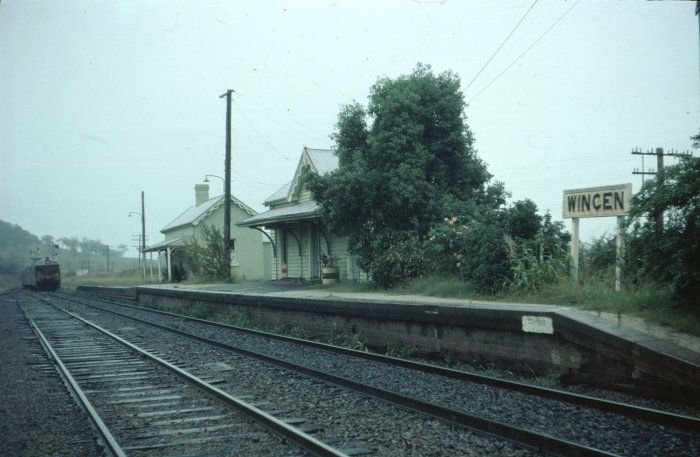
[{"x": 329, "y": 272}]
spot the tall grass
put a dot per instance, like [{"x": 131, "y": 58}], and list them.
[
  {"x": 438, "y": 286},
  {"x": 652, "y": 302},
  {"x": 535, "y": 265}
]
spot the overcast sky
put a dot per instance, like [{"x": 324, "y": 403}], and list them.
[{"x": 100, "y": 100}]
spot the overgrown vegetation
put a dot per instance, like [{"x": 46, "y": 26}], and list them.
[
  {"x": 405, "y": 161},
  {"x": 420, "y": 212},
  {"x": 664, "y": 241},
  {"x": 207, "y": 256},
  {"x": 503, "y": 249}
]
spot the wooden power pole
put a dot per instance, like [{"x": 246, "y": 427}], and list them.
[
  {"x": 143, "y": 235},
  {"x": 227, "y": 177},
  {"x": 659, "y": 153}
]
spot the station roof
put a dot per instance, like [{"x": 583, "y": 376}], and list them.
[
  {"x": 288, "y": 213},
  {"x": 320, "y": 161},
  {"x": 163, "y": 245},
  {"x": 194, "y": 214}
]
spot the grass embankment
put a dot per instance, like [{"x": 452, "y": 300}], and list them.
[{"x": 123, "y": 278}]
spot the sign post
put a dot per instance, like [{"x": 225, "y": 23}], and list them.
[
  {"x": 574, "y": 248},
  {"x": 605, "y": 201}
]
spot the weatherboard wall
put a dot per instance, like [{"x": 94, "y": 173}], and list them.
[{"x": 248, "y": 244}]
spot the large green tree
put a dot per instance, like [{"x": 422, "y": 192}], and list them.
[
  {"x": 669, "y": 252},
  {"x": 406, "y": 161}
]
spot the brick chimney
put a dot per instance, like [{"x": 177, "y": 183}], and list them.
[{"x": 201, "y": 193}]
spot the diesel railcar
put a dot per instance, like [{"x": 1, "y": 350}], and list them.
[{"x": 43, "y": 275}]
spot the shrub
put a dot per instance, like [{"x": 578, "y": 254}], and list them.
[
  {"x": 399, "y": 258},
  {"x": 211, "y": 259},
  {"x": 494, "y": 250},
  {"x": 473, "y": 250}
]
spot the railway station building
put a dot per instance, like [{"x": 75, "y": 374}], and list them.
[
  {"x": 302, "y": 246},
  {"x": 247, "y": 257}
]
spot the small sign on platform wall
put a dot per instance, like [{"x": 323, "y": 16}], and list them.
[{"x": 538, "y": 324}]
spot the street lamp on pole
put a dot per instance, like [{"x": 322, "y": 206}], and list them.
[
  {"x": 143, "y": 234},
  {"x": 206, "y": 178}
]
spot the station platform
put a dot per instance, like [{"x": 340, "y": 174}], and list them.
[
  {"x": 584, "y": 346},
  {"x": 294, "y": 289}
]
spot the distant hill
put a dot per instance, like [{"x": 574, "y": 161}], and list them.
[
  {"x": 14, "y": 235},
  {"x": 18, "y": 246}
]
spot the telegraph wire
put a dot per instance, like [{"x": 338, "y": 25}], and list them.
[
  {"x": 281, "y": 116},
  {"x": 525, "y": 51},
  {"x": 245, "y": 178},
  {"x": 262, "y": 138},
  {"x": 504, "y": 42}
]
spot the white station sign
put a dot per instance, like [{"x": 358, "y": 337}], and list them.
[{"x": 597, "y": 201}]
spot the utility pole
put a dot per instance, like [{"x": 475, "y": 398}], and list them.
[
  {"x": 697, "y": 13},
  {"x": 659, "y": 153},
  {"x": 227, "y": 178},
  {"x": 143, "y": 235}
]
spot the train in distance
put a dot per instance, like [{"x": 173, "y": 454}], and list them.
[{"x": 44, "y": 274}]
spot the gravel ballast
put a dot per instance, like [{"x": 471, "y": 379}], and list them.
[
  {"x": 38, "y": 416},
  {"x": 605, "y": 431}
]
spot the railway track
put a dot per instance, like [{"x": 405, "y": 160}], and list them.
[
  {"x": 683, "y": 429},
  {"x": 142, "y": 404},
  {"x": 407, "y": 432},
  {"x": 686, "y": 418}
]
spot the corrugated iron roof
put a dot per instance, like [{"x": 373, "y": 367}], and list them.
[
  {"x": 280, "y": 194},
  {"x": 165, "y": 244},
  {"x": 303, "y": 210},
  {"x": 322, "y": 161},
  {"x": 194, "y": 214}
]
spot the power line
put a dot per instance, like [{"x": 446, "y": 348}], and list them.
[
  {"x": 245, "y": 178},
  {"x": 504, "y": 42},
  {"x": 250, "y": 124},
  {"x": 525, "y": 51},
  {"x": 306, "y": 130}
]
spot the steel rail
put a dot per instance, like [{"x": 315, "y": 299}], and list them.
[
  {"x": 110, "y": 443},
  {"x": 302, "y": 439},
  {"x": 678, "y": 421},
  {"x": 521, "y": 436}
]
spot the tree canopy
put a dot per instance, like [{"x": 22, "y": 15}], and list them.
[
  {"x": 669, "y": 252},
  {"x": 406, "y": 161}
]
